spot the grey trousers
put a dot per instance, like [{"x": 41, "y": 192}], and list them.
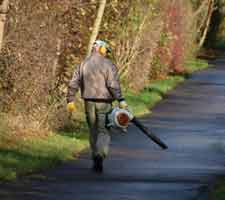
[{"x": 99, "y": 138}]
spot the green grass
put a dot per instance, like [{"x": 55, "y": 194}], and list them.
[
  {"x": 31, "y": 155},
  {"x": 196, "y": 65}
]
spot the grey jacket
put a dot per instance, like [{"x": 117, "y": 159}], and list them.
[{"x": 98, "y": 80}]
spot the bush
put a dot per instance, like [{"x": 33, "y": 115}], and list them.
[{"x": 45, "y": 40}]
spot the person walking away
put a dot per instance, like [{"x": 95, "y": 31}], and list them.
[{"x": 98, "y": 80}]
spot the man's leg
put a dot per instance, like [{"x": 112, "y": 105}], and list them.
[
  {"x": 92, "y": 124},
  {"x": 103, "y": 134},
  {"x": 96, "y": 114}
]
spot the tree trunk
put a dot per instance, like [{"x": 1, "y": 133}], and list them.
[
  {"x": 56, "y": 60},
  {"x": 207, "y": 22},
  {"x": 4, "y": 7},
  {"x": 97, "y": 25}
]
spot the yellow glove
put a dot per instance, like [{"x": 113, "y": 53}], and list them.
[
  {"x": 123, "y": 104},
  {"x": 71, "y": 107}
]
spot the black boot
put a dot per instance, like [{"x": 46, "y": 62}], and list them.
[{"x": 98, "y": 164}]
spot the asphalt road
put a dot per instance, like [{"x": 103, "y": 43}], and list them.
[{"x": 191, "y": 120}]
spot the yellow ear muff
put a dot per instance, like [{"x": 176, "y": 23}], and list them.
[{"x": 103, "y": 50}]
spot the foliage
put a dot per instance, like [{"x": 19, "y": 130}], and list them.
[
  {"x": 39, "y": 56},
  {"x": 196, "y": 65},
  {"x": 45, "y": 40}
]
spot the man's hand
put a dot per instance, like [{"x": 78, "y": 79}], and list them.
[
  {"x": 71, "y": 107},
  {"x": 123, "y": 104}
]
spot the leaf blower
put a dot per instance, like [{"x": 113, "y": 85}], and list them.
[{"x": 120, "y": 118}]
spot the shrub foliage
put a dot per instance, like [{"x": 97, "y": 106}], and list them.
[{"x": 45, "y": 40}]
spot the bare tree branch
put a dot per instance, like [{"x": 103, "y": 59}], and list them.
[
  {"x": 97, "y": 25},
  {"x": 207, "y": 22},
  {"x": 3, "y": 11}
]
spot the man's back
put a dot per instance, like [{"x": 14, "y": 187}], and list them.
[{"x": 98, "y": 74}]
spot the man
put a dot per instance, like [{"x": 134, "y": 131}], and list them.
[{"x": 98, "y": 80}]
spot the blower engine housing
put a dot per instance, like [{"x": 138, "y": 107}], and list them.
[{"x": 119, "y": 118}]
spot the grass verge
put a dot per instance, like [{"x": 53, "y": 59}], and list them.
[
  {"x": 196, "y": 65},
  {"x": 28, "y": 155},
  {"x": 20, "y": 156}
]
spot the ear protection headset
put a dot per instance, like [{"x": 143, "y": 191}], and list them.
[
  {"x": 103, "y": 50},
  {"x": 103, "y": 47}
]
